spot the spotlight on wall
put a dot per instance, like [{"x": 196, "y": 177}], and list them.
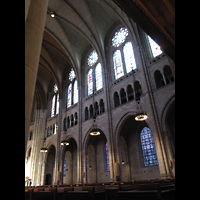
[
  {"x": 122, "y": 162},
  {"x": 90, "y": 167}
]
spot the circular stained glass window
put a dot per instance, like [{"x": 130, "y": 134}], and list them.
[
  {"x": 119, "y": 37},
  {"x": 92, "y": 58},
  {"x": 72, "y": 75}
]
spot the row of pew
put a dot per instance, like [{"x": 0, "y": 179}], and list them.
[{"x": 129, "y": 190}]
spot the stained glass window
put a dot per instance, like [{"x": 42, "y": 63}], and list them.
[
  {"x": 148, "y": 148},
  {"x": 107, "y": 158},
  {"x": 57, "y": 104},
  {"x": 92, "y": 58},
  {"x": 75, "y": 92},
  {"x": 69, "y": 95},
  {"x": 90, "y": 81},
  {"x": 155, "y": 48},
  {"x": 72, "y": 75},
  {"x": 64, "y": 165},
  {"x": 118, "y": 66},
  {"x": 53, "y": 105},
  {"x": 119, "y": 37},
  {"x": 129, "y": 57},
  {"x": 98, "y": 76},
  {"x": 55, "y": 88}
]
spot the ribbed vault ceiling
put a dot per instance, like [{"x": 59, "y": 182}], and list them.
[{"x": 78, "y": 27}]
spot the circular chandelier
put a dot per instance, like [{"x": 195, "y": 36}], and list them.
[
  {"x": 141, "y": 116},
  {"x": 95, "y": 132},
  {"x": 43, "y": 150},
  {"x": 64, "y": 142}
]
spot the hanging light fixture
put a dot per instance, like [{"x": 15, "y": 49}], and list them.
[
  {"x": 140, "y": 115},
  {"x": 95, "y": 131},
  {"x": 43, "y": 150},
  {"x": 52, "y": 14},
  {"x": 64, "y": 142}
]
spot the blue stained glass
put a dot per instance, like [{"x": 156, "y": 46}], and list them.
[
  {"x": 69, "y": 95},
  {"x": 90, "y": 81},
  {"x": 129, "y": 57},
  {"x": 118, "y": 66},
  {"x": 148, "y": 148},
  {"x": 64, "y": 165},
  {"x": 107, "y": 158}
]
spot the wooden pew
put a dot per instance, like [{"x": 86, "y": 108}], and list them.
[
  {"x": 111, "y": 191},
  {"x": 60, "y": 195},
  {"x": 139, "y": 195},
  {"x": 78, "y": 195}
]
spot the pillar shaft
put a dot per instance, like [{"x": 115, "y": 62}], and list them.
[{"x": 34, "y": 28}]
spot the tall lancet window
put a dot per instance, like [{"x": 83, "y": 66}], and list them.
[
  {"x": 107, "y": 158},
  {"x": 148, "y": 148},
  {"x": 94, "y": 75},
  {"x": 72, "y": 89},
  {"x": 90, "y": 81},
  {"x": 55, "y": 101},
  {"x": 129, "y": 57},
  {"x": 123, "y": 57},
  {"x": 98, "y": 76},
  {"x": 118, "y": 66}
]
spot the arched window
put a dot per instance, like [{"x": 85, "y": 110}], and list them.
[
  {"x": 148, "y": 148},
  {"x": 168, "y": 74},
  {"x": 69, "y": 95},
  {"x": 98, "y": 76},
  {"x": 123, "y": 96},
  {"x": 86, "y": 113},
  {"x": 138, "y": 90},
  {"x": 130, "y": 93},
  {"x": 64, "y": 124},
  {"x": 116, "y": 99},
  {"x": 75, "y": 91},
  {"x": 102, "y": 108},
  {"x": 94, "y": 80},
  {"x": 64, "y": 165},
  {"x": 118, "y": 66},
  {"x": 55, "y": 101},
  {"x": 107, "y": 158},
  {"x": 126, "y": 63},
  {"x": 158, "y": 79},
  {"x": 129, "y": 57},
  {"x": 72, "y": 90},
  {"x": 155, "y": 48},
  {"x": 90, "y": 81}
]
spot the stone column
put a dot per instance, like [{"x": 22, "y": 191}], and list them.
[{"x": 34, "y": 28}]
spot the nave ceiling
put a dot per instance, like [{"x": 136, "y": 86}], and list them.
[{"x": 78, "y": 27}]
